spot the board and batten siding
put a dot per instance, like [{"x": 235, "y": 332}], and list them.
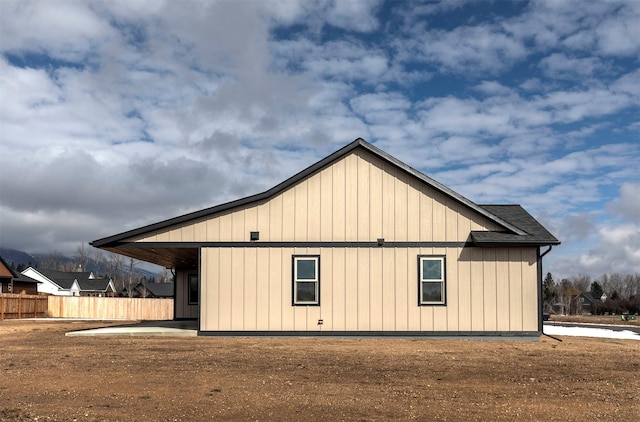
[
  {"x": 369, "y": 289},
  {"x": 357, "y": 198}
]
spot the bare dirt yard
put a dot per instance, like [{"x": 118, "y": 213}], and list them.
[{"x": 46, "y": 376}]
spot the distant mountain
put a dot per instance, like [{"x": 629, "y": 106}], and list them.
[{"x": 15, "y": 257}]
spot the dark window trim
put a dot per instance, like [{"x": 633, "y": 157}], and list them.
[
  {"x": 444, "y": 280},
  {"x": 293, "y": 280},
  {"x": 189, "y": 298}
]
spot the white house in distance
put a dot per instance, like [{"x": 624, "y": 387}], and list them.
[
  {"x": 359, "y": 243},
  {"x": 65, "y": 283}
]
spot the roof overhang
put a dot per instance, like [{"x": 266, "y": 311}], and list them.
[
  {"x": 491, "y": 239},
  {"x": 182, "y": 257}
]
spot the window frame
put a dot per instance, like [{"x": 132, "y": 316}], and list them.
[
  {"x": 442, "y": 280},
  {"x": 294, "y": 280},
  {"x": 190, "y": 300}
]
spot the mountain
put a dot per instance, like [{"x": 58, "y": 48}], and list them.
[{"x": 16, "y": 258}]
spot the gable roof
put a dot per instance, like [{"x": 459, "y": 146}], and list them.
[
  {"x": 62, "y": 279},
  {"x": 160, "y": 289},
  {"x": 5, "y": 270},
  {"x": 508, "y": 226},
  {"x": 21, "y": 278},
  {"x": 94, "y": 284}
]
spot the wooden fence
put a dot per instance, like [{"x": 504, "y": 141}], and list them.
[
  {"x": 14, "y": 306},
  {"x": 110, "y": 308}
]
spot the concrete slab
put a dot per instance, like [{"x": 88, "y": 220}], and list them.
[{"x": 151, "y": 328}]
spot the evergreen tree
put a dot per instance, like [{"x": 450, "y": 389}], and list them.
[
  {"x": 548, "y": 288},
  {"x": 596, "y": 290}
]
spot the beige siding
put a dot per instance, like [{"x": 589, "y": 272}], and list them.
[
  {"x": 369, "y": 289},
  {"x": 358, "y": 198}
]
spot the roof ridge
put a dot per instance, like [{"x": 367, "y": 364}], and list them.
[{"x": 357, "y": 143}]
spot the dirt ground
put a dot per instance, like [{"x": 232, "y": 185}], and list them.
[{"x": 46, "y": 376}]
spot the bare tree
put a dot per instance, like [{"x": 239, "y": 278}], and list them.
[
  {"x": 82, "y": 257},
  {"x": 581, "y": 282},
  {"x": 98, "y": 260},
  {"x": 165, "y": 276},
  {"x": 52, "y": 261},
  {"x": 115, "y": 266},
  {"x": 132, "y": 267},
  {"x": 612, "y": 283}
]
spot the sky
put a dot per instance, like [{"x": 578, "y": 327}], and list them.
[{"x": 118, "y": 114}]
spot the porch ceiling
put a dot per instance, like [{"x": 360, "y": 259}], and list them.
[{"x": 181, "y": 258}]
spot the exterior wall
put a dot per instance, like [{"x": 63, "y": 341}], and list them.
[
  {"x": 46, "y": 287},
  {"x": 369, "y": 289},
  {"x": 182, "y": 307},
  {"x": 358, "y": 198}
]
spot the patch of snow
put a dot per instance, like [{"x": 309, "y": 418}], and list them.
[{"x": 557, "y": 330}]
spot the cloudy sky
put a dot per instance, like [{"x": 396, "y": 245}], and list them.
[{"x": 118, "y": 114}]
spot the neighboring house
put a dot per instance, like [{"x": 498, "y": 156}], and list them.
[
  {"x": 70, "y": 283},
  {"x": 359, "y": 243},
  {"x": 585, "y": 302},
  {"x": 155, "y": 290},
  {"x": 12, "y": 281},
  {"x": 151, "y": 290}
]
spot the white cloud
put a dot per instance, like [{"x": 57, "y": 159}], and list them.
[
  {"x": 628, "y": 205},
  {"x": 468, "y": 50},
  {"x": 560, "y": 66},
  {"x": 65, "y": 30}
]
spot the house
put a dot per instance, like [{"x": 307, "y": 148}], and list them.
[
  {"x": 359, "y": 243},
  {"x": 70, "y": 283},
  {"x": 586, "y": 302},
  {"x": 12, "y": 281},
  {"x": 155, "y": 290},
  {"x": 151, "y": 290}
]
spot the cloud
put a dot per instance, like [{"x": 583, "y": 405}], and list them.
[
  {"x": 473, "y": 50},
  {"x": 628, "y": 204},
  {"x": 561, "y": 66},
  {"x": 65, "y": 30}
]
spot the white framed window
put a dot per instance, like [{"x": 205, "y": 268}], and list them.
[
  {"x": 306, "y": 280},
  {"x": 432, "y": 286}
]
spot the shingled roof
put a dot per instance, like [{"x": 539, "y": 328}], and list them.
[{"x": 534, "y": 232}]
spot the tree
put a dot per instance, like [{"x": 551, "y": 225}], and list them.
[
  {"x": 82, "y": 257},
  {"x": 548, "y": 289},
  {"x": 115, "y": 267},
  {"x": 52, "y": 261},
  {"x": 596, "y": 290},
  {"x": 581, "y": 282},
  {"x": 132, "y": 267},
  {"x": 98, "y": 261}
]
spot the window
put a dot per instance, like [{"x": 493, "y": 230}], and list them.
[
  {"x": 432, "y": 286},
  {"x": 193, "y": 289},
  {"x": 306, "y": 280}
]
